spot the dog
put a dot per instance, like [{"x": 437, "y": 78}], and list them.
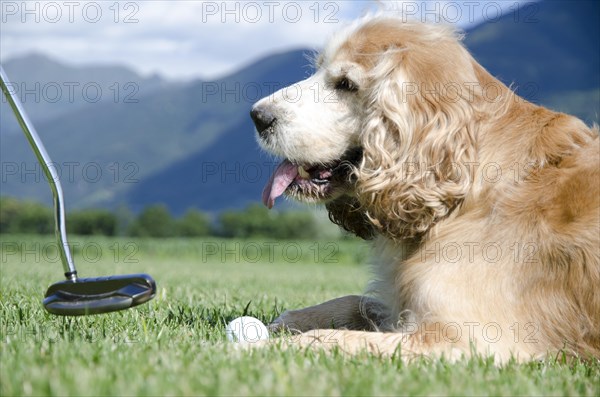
[{"x": 483, "y": 209}]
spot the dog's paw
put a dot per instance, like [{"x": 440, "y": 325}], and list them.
[{"x": 288, "y": 321}]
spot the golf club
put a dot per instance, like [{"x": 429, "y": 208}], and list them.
[{"x": 77, "y": 296}]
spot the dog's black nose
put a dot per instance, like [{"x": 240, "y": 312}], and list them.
[{"x": 263, "y": 118}]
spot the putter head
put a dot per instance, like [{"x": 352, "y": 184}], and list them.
[{"x": 99, "y": 294}]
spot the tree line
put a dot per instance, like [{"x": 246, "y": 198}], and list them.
[{"x": 28, "y": 217}]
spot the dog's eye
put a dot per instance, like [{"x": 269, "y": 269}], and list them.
[{"x": 344, "y": 84}]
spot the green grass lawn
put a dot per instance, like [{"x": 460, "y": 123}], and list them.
[{"x": 176, "y": 345}]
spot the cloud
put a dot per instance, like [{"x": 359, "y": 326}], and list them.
[{"x": 191, "y": 39}]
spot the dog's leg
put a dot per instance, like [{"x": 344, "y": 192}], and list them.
[
  {"x": 407, "y": 345},
  {"x": 349, "y": 312}
]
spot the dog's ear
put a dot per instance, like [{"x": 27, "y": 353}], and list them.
[
  {"x": 418, "y": 139},
  {"x": 347, "y": 213}
]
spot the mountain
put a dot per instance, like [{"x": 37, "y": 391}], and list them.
[
  {"x": 549, "y": 51},
  {"x": 49, "y": 89},
  {"x": 231, "y": 171},
  {"x": 192, "y": 144},
  {"x": 111, "y": 148}
]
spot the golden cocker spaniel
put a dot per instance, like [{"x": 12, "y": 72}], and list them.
[{"x": 483, "y": 208}]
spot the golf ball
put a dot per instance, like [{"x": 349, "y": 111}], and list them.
[{"x": 246, "y": 329}]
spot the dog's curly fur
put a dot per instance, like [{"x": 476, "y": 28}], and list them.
[
  {"x": 347, "y": 212},
  {"x": 484, "y": 208}
]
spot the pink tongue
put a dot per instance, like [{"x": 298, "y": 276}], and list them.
[{"x": 279, "y": 181}]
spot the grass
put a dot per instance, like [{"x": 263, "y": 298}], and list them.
[{"x": 175, "y": 344}]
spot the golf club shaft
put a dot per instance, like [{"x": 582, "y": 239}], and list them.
[{"x": 51, "y": 176}]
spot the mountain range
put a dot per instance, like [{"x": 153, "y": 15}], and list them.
[{"x": 122, "y": 139}]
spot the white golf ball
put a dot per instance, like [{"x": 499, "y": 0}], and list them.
[{"x": 246, "y": 329}]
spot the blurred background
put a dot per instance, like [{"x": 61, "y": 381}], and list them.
[{"x": 143, "y": 105}]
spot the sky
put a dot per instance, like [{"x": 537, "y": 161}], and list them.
[{"x": 190, "y": 39}]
